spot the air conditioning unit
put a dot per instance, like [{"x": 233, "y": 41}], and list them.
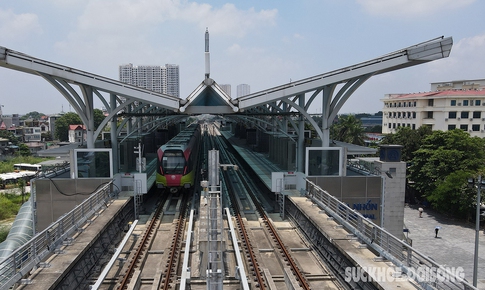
[{"x": 446, "y": 119}]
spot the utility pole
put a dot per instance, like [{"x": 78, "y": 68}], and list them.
[{"x": 477, "y": 232}]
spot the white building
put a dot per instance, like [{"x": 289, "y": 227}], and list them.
[
  {"x": 32, "y": 134},
  {"x": 242, "y": 90},
  {"x": 226, "y": 88},
  {"x": 77, "y": 133},
  {"x": 451, "y": 105},
  {"x": 161, "y": 79}
]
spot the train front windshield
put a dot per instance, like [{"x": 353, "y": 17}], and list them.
[{"x": 173, "y": 162}]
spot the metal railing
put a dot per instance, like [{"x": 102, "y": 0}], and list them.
[
  {"x": 20, "y": 262},
  {"x": 413, "y": 264}
]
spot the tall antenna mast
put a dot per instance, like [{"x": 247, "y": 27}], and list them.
[{"x": 207, "y": 54}]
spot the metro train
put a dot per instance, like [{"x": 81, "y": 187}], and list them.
[{"x": 177, "y": 160}]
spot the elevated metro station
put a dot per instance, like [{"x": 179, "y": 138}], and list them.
[
  {"x": 273, "y": 116},
  {"x": 145, "y": 111},
  {"x": 270, "y": 122}
]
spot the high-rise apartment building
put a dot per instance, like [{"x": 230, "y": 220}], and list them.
[
  {"x": 226, "y": 88},
  {"x": 242, "y": 90},
  {"x": 161, "y": 79}
]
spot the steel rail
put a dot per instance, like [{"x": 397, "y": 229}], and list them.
[
  {"x": 240, "y": 265},
  {"x": 113, "y": 259},
  {"x": 141, "y": 248},
  {"x": 244, "y": 234},
  {"x": 188, "y": 242},
  {"x": 247, "y": 245},
  {"x": 175, "y": 247},
  {"x": 280, "y": 244}
]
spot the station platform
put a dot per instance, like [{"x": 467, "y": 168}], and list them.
[
  {"x": 383, "y": 273},
  {"x": 259, "y": 162},
  {"x": 68, "y": 255}
]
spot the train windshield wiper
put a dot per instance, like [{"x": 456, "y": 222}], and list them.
[{"x": 175, "y": 168}]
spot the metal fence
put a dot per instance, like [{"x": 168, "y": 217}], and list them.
[
  {"x": 24, "y": 259},
  {"x": 413, "y": 264}
]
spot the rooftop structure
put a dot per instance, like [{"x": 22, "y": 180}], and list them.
[{"x": 459, "y": 85}]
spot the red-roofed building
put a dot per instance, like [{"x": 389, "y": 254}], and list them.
[
  {"x": 442, "y": 109},
  {"x": 77, "y": 133}
]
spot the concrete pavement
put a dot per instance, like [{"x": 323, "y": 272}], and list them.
[{"x": 455, "y": 245}]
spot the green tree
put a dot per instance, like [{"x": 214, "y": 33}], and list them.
[
  {"x": 453, "y": 196},
  {"x": 348, "y": 129},
  {"x": 10, "y": 136},
  {"x": 374, "y": 129},
  {"x": 32, "y": 115},
  {"x": 24, "y": 150},
  {"x": 98, "y": 118},
  {"x": 441, "y": 167},
  {"x": 46, "y": 136},
  {"x": 21, "y": 185},
  {"x": 410, "y": 140},
  {"x": 63, "y": 123}
]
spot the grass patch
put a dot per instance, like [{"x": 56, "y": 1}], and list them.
[
  {"x": 10, "y": 205},
  {"x": 4, "y": 233}
]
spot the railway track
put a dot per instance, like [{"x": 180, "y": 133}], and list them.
[
  {"x": 276, "y": 239},
  {"x": 289, "y": 266},
  {"x": 274, "y": 255},
  {"x": 139, "y": 256},
  {"x": 152, "y": 258}
]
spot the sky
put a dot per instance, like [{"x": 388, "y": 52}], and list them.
[{"x": 260, "y": 43}]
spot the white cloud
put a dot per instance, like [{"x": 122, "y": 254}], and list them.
[
  {"x": 228, "y": 20},
  {"x": 18, "y": 26},
  {"x": 465, "y": 61},
  {"x": 235, "y": 49},
  {"x": 136, "y": 17},
  {"x": 66, "y": 3},
  {"x": 114, "y": 31},
  {"x": 272, "y": 69},
  {"x": 411, "y": 8}
]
